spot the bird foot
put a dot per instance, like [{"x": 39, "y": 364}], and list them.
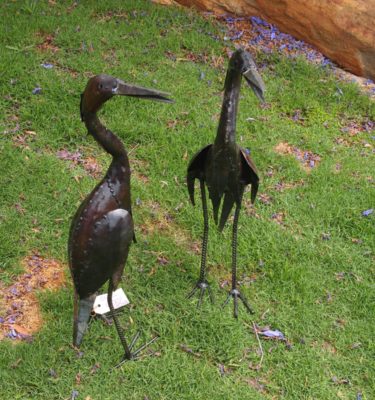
[
  {"x": 236, "y": 294},
  {"x": 130, "y": 355},
  {"x": 201, "y": 285}
]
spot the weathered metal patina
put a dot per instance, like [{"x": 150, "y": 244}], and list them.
[
  {"x": 226, "y": 168},
  {"x": 102, "y": 228}
]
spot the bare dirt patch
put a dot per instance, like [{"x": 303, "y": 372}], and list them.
[
  {"x": 22, "y": 140},
  {"x": 89, "y": 163},
  {"x": 281, "y": 186},
  {"x": 160, "y": 221},
  {"x": 278, "y": 217},
  {"x": 111, "y": 15},
  {"x": 308, "y": 159},
  {"x": 19, "y": 305},
  {"x": 47, "y": 44}
]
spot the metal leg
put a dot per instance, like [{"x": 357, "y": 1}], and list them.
[
  {"x": 202, "y": 283},
  {"x": 129, "y": 355},
  {"x": 75, "y": 318},
  {"x": 202, "y": 274},
  {"x": 234, "y": 247},
  {"x": 235, "y": 293}
]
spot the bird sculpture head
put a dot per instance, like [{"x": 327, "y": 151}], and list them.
[
  {"x": 101, "y": 88},
  {"x": 241, "y": 61}
]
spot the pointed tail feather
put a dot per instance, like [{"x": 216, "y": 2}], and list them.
[
  {"x": 227, "y": 207},
  {"x": 81, "y": 322},
  {"x": 254, "y": 191},
  {"x": 190, "y": 184},
  {"x": 216, "y": 200}
]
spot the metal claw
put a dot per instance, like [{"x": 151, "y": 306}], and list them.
[
  {"x": 202, "y": 286},
  {"x": 210, "y": 294},
  {"x": 135, "y": 338},
  {"x": 191, "y": 294},
  {"x": 236, "y": 294},
  {"x": 135, "y": 356}
]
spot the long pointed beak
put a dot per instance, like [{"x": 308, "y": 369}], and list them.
[
  {"x": 126, "y": 89},
  {"x": 255, "y": 81}
]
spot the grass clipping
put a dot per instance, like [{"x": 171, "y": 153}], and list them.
[{"x": 19, "y": 303}]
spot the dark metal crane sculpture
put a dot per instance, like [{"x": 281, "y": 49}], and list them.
[
  {"x": 102, "y": 228},
  {"x": 226, "y": 169}
]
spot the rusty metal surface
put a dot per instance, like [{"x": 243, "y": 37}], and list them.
[{"x": 102, "y": 229}]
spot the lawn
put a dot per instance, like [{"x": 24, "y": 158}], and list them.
[{"x": 306, "y": 248}]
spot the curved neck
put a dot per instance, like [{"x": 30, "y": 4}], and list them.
[
  {"x": 108, "y": 140},
  {"x": 226, "y": 132}
]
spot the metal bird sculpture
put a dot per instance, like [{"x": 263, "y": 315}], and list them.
[
  {"x": 226, "y": 168},
  {"x": 102, "y": 228}
]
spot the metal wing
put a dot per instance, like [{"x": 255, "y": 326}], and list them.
[
  {"x": 249, "y": 173},
  {"x": 196, "y": 169},
  {"x": 106, "y": 253}
]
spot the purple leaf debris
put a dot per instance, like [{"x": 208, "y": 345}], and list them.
[
  {"x": 14, "y": 291},
  {"x": 69, "y": 156},
  {"x": 52, "y": 373},
  {"x": 13, "y": 334},
  {"x": 369, "y": 126},
  {"x": 368, "y": 212},
  {"x": 267, "y": 38},
  {"x": 272, "y": 334},
  {"x": 339, "y": 92},
  {"x": 74, "y": 395},
  {"x": 46, "y": 65},
  {"x": 326, "y": 236},
  {"x": 94, "y": 368},
  {"x": 37, "y": 90},
  {"x": 237, "y": 35},
  {"x": 342, "y": 381}
]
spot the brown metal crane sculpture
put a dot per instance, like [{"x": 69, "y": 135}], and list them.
[
  {"x": 226, "y": 169},
  {"x": 102, "y": 228}
]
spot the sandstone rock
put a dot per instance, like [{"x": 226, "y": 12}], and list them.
[{"x": 343, "y": 30}]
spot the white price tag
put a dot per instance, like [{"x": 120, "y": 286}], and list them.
[{"x": 119, "y": 300}]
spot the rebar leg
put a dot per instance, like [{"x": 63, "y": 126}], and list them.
[
  {"x": 202, "y": 285},
  {"x": 235, "y": 293},
  {"x": 120, "y": 332},
  {"x": 129, "y": 355}
]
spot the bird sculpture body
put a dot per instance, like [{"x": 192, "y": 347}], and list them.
[
  {"x": 102, "y": 229},
  {"x": 226, "y": 168}
]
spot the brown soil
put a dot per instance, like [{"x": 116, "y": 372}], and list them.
[
  {"x": 19, "y": 304},
  {"x": 161, "y": 221},
  {"x": 47, "y": 44},
  {"x": 308, "y": 159}
]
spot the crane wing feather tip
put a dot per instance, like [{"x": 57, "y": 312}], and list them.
[
  {"x": 254, "y": 191},
  {"x": 191, "y": 194},
  {"x": 190, "y": 180}
]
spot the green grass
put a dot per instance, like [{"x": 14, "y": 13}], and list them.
[{"x": 296, "y": 290}]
